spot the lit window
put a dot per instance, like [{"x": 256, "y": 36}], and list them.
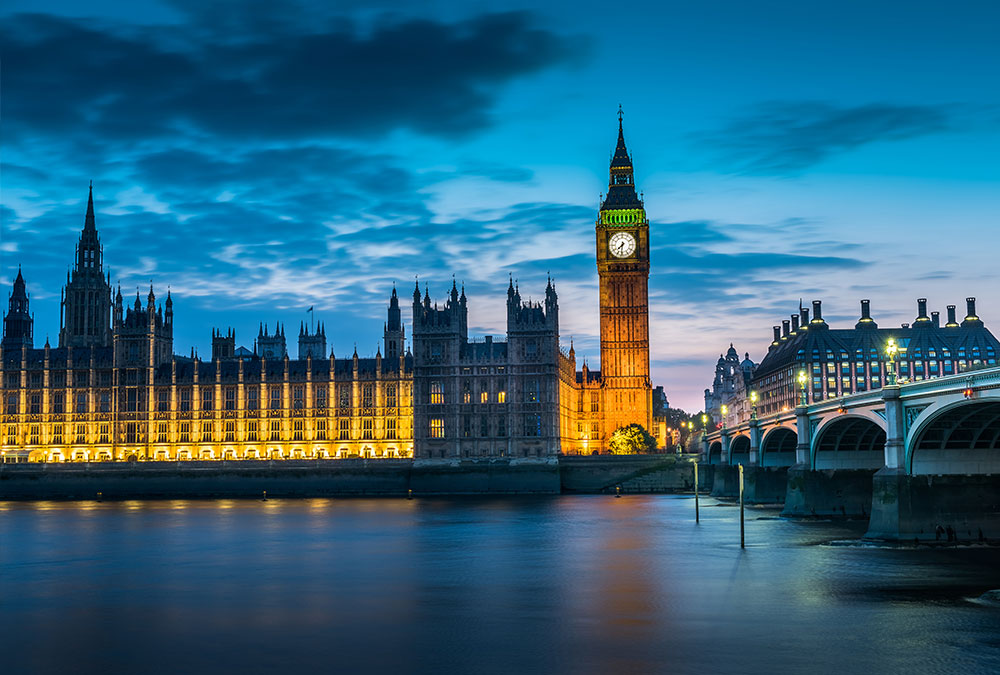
[
  {"x": 437, "y": 427},
  {"x": 437, "y": 392}
]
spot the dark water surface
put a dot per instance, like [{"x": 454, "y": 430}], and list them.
[{"x": 515, "y": 585}]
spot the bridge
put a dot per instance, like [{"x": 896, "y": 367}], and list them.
[{"x": 914, "y": 457}]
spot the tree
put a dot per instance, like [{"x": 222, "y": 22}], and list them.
[{"x": 630, "y": 440}]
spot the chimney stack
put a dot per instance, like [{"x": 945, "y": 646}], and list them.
[
  {"x": 970, "y": 308},
  {"x": 795, "y": 323},
  {"x": 784, "y": 329},
  {"x": 777, "y": 334},
  {"x": 805, "y": 317},
  {"x": 936, "y": 319},
  {"x": 952, "y": 323},
  {"x": 817, "y": 311},
  {"x": 921, "y": 310},
  {"x": 866, "y": 311}
]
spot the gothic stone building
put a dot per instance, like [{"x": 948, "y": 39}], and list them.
[{"x": 114, "y": 389}]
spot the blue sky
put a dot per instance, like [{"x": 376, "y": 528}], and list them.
[{"x": 259, "y": 158}]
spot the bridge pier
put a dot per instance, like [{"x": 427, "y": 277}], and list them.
[
  {"x": 761, "y": 485},
  {"x": 908, "y": 507},
  {"x": 828, "y": 492}
]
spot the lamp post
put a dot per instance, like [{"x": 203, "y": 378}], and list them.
[
  {"x": 890, "y": 365},
  {"x": 725, "y": 411},
  {"x": 802, "y": 388},
  {"x": 753, "y": 405}
]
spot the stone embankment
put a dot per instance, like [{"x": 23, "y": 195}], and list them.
[{"x": 330, "y": 478}]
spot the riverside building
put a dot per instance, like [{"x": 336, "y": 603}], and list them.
[{"x": 113, "y": 388}]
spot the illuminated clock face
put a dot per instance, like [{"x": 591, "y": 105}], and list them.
[{"x": 622, "y": 245}]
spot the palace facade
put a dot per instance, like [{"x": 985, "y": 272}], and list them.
[{"x": 113, "y": 389}]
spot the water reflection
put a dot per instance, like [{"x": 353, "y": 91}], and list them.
[{"x": 567, "y": 584}]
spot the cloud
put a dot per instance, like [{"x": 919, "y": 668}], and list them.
[
  {"x": 782, "y": 138},
  {"x": 281, "y": 81}
]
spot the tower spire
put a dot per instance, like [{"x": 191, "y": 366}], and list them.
[{"x": 88, "y": 223}]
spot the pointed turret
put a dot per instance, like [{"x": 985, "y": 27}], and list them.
[
  {"x": 18, "y": 324},
  {"x": 89, "y": 223},
  {"x": 621, "y": 183},
  {"x": 86, "y": 305}
]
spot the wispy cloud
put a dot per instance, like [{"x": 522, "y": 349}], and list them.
[{"x": 780, "y": 138}]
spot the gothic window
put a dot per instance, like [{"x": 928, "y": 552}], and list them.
[
  {"x": 466, "y": 426},
  {"x": 344, "y": 393},
  {"x": 230, "y": 431},
  {"x": 437, "y": 392},
  {"x": 484, "y": 426},
  {"x": 298, "y": 430},
  {"x": 321, "y": 393},
  {"x": 163, "y": 400},
  {"x": 57, "y": 434},
  {"x": 185, "y": 432},
  {"x": 105, "y": 401},
  {"x": 185, "y": 403},
  {"x": 390, "y": 428},
  {"x": 35, "y": 404},
  {"x": 230, "y": 398},
  {"x": 501, "y": 396},
  {"x": 275, "y": 400},
  {"x": 298, "y": 399},
  {"x": 12, "y": 404},
  {"x": 206, "y": 432},
  {"x": 253, "y": 398},
  {"x": 367, "y": 428},
  {"x": 252, "y": 431},
  {"x": 12, "y": 434},
  {"x": 368, "y": 396},
  {"x": 466, "y": 392},
  {"x": 131, "y": 433},
  {"x": 81, "y": 433},
  {"x": 532, "y": 425},
  {"x": 104, "y": 433},
  {"x": 275, "y": 430},
  {"x": 595, "y": 431},
  {"x": 595, "y": 402},
  {"x": 320, "y": 430},
  {"x": 35, "y": 435},
  {"x": 531, "y": 349},
  {"x": 531, "y": 390},
  {"x": 35, "y": 379},
  {"x": 207, "y": 398},
  {"x": 390, "y": 396},
  {"x": 344, "y": 429},
  {"x": 161, "y": 432},
  {"x": 501, "y": 426},
  {"x": 484, "y": 395},
  {"x": 437, "y": 427},
  {"x": 131, "y": 400}
]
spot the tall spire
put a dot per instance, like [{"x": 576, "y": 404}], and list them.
[
  {"x": 88, "y": 223},
  {"x": 621, "y": 184}
]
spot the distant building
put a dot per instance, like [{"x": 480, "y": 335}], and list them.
[
  {"x": 838, "y": 362},
  {"x": 730, "y": 388}
]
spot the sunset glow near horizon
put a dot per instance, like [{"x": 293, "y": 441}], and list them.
[{"x": 260, "y": 159}]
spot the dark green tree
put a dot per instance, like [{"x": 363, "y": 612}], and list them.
[{"x": 630, "y": 440}]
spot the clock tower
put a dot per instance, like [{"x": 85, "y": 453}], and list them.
[{"x": 622, "y": 233}]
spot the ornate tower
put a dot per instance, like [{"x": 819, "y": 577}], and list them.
[
  {"x": 622, "y": 234},
  {"x": 394, "y": 333},
  {"x": 312, "y": 343},
  {"x": 86, "y": 302},
  {"x": 17, "y": 322}
]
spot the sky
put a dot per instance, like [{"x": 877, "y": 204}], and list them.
[{"x": 260, "y": 158}]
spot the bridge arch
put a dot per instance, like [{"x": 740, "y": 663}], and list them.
[
  {"x": 777, "y": 447},
  {"x": 848, "y": 442},
  {"x": 960, "y": 438},
  {"x": 715, "y": 452},
  {"x": 739, "y": 450}
]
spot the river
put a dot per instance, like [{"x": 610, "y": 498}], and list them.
[{"x": 569, "y": 584}]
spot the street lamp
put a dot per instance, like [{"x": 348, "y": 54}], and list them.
[
  {"x": 704, "y": 422},
  {"x": 802, "y": 386},
  {"x": 725, "y": 411},
  {"x": 890, "y": 367},
  {"x": 753, "y": 405}
]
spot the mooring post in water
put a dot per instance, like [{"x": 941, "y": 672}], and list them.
[
  {"x": 100, "y": 496},
  {"x": 696, "y": 517},
  {"x": 742, "y": 537},
  {"x": 618, "y": 491},
  {"x": 263, "y": 497},
  {"x": 409, "y": 493}
]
